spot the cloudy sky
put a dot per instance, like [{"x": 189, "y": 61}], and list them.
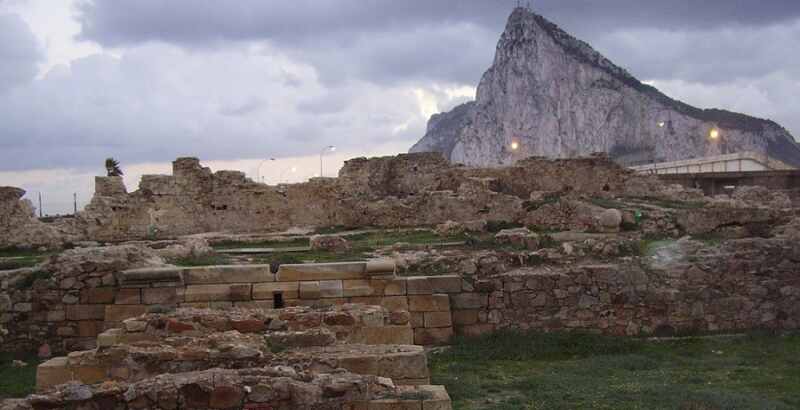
[{"x": 234, "y": 82}]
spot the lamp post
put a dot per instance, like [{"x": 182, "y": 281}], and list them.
[
  {"x": 330, "y": 148},
  {"x": 258, "y": 170},
  {"x": 514, "y": 146}
]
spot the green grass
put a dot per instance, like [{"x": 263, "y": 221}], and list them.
[
  {"x": 294, "y": 243},
  {"x": 20, "y": 262},
  {"x": 361, "y": 245},
  {"x": 21, "y": 252},
  {"x": 607, "y": 203},
  {"x": 512, "y": 370},
  {"x": 17, "y": 382}
]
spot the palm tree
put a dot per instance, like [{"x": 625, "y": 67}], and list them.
[{"x": 112, "y": 167}]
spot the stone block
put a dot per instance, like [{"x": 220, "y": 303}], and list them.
[
  {"x": 418, "y": 286},
  {"x": 395, "y": 287},
  {"x": 417, "y": 319},
  {"x": 102, "y": 296},
  {"x": 376, "y": 267},
  {"x": 438, "y": 319},
  {"x": 358, "y": 287},
  {"x": 465, "y": 317},
  {"x": 439, "y": 399},
  {"x": 109, "y": 338},
  {"x": 160, "y": 296},
  {"x": 360, "y": 364},
  {"x": 128, "y": 296},
  {"x": 52, "y": 373},
  {"x": 394, "y": 303},
  {"x": 146, "y": 277},
  {"x": 429, "y": 303},
  {"x": 240, "y": 292},
  {"x": 212, "y": 275},
  {"x": 409, "y": 364},
  {"x": 118, "y": 313},
  {"x": 432, "y": 336},
  {"x": 321, "y": 271},
  {"x": 55, "y": 316},
  {"x": 331, "y": 289},
  {"x": 89, "y": 374},
  {"x": 384, "y": 335},
  {"x": 445, "y": 284},
  {"x": 470, "y": 300},
  {"x": 89, "y": 328},
  {"x": 289, "y": 290},
  {"x": 85, "y": 312},
  {"x": 310, "y": 290},
  {"x": 217, "y": 293}
]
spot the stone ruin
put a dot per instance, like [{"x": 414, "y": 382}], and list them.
[
  {"x": 406, "y": 190},
  {"x": 564, "y": 245}
]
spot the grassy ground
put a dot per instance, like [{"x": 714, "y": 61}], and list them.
[
  {"x": 15, "y": 258},
  {"x": 17, "y": 382},
  {"x": 362, "y": 245},
  {"x": 20, "y": 262},
  {"x": 533, "y": 371}
]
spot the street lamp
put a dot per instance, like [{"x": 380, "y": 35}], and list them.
[
  {"x": 258, "y": 170},
  {"x": 714, "y": 134},
  {"x": 514, "y": 145},
  {"x": 330, "y": 148}
]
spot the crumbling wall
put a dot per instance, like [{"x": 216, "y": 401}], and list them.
[
  {"x": 82, "y": 292},
  {"x": 19, "y": 227},
  {"x": 685, "y": 287},
  {"x": 404, "y": 190}
]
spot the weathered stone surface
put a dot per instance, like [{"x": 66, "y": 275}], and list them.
[
  {"x": 332, "y": 243},
  {"x": 517, "y": 103}
]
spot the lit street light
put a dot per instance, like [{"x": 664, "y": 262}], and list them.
[
  {"x": 714, "y": 134},
  {"x": 330, "y": 148},
  {"x": 514, "y": 145}
]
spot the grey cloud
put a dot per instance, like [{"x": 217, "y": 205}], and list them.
[
  {"x": 392, "y": 42},
  {"x": 19, "y": 52},
  {"x": 120, "y": 22},
  {"x": 158, "y": 102}
]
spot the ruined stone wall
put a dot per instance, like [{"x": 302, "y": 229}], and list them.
[
  {"x": 91, "y": 290},
  {"x": 745, "y": 284},
  {"x": 685, "y": 286},
  {"x": 406, "y": 190},
  {"x": 19, "y": 226}
]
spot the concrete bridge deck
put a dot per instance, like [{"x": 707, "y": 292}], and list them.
[{"x": 714, "y": 183}]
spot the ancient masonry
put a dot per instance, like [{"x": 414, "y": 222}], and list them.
[
  {"x": 587, "y": 246},
  {"x": 406, "y": 190}
]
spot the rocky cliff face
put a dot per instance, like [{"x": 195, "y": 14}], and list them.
[{"x": 555, "y": 96}]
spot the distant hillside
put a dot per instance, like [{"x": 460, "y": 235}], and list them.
[{"x": 555, "y": 96}]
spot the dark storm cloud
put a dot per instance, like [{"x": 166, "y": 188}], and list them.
[
  {"x": 19, "y": 52},
  {"x": 389, "y": 42},
  {"x": 120, "y": 22}
]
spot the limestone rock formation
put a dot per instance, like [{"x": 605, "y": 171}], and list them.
[{"x": 549, "y": 94}]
